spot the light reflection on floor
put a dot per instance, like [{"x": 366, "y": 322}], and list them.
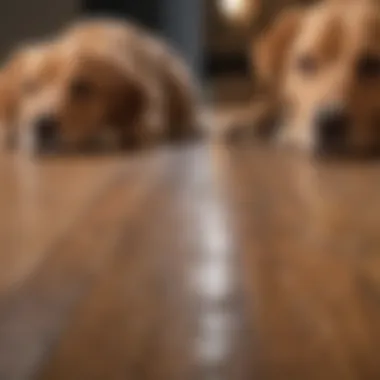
[{"x": 212, "y": 278}]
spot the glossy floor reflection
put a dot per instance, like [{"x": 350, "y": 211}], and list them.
[{"x": 205, "y": 262}]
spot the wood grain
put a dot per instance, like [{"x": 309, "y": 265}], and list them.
[{"x": 199, "y": 262}]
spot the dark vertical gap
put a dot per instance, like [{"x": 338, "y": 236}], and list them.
[{"x": 181, "y": 22}]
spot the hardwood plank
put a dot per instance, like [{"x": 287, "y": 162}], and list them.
[
  {"x": 206, "y": 262},
  {"x": 309, "y": 236},
  {"x": 143, "y": 316},
  {"x": 39, "y": 201},
  {"x": 33, "y": 315}
]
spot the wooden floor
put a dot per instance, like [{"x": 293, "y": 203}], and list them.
[{"x": 201, "y": 262}]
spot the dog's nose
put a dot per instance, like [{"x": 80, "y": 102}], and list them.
[
  {"x": 46, "y": 129},
  {"x": 332, "y": 125}
]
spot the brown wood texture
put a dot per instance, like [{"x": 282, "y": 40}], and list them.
[{"x": 198, "y": 262}]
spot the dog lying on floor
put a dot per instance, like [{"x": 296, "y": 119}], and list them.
[
  {"x": 101, "y": 84},
  {"x": 320, "y": 70}
]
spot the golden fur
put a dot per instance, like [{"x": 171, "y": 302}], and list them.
[
  {"x": 106, "y": 83},
  {"x": 326, "y": 55}
]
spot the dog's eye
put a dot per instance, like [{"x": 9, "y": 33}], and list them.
[
  {"x": 306, "y": 64},
  {"x": 81, "y": 89},
  {"x": 369, "y": 66}
]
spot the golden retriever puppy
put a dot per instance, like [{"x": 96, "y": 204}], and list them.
[
  {"x": 320, "y": 69},
  {"x": 99, "y": 84}
]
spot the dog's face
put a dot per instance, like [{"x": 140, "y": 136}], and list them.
[
  {"x": 325, "y": 65},
  {"x": 71, "y": 99}
]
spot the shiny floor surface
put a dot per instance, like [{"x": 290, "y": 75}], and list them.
[{"x": 202, "y": 262}]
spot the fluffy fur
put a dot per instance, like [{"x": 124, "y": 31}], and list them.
[
  {"x": 316, "y": 59},
  {"x": 99, "y": 84}
]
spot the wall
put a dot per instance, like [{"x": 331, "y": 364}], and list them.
[{"x": 22, "y": 20}]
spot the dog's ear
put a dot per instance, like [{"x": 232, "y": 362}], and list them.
[
  {"x": 127, "y": 104},
  {"x": 270, "y": 51}
]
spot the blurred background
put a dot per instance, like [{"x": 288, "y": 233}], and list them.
[{"x": 213, "y": 35}]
